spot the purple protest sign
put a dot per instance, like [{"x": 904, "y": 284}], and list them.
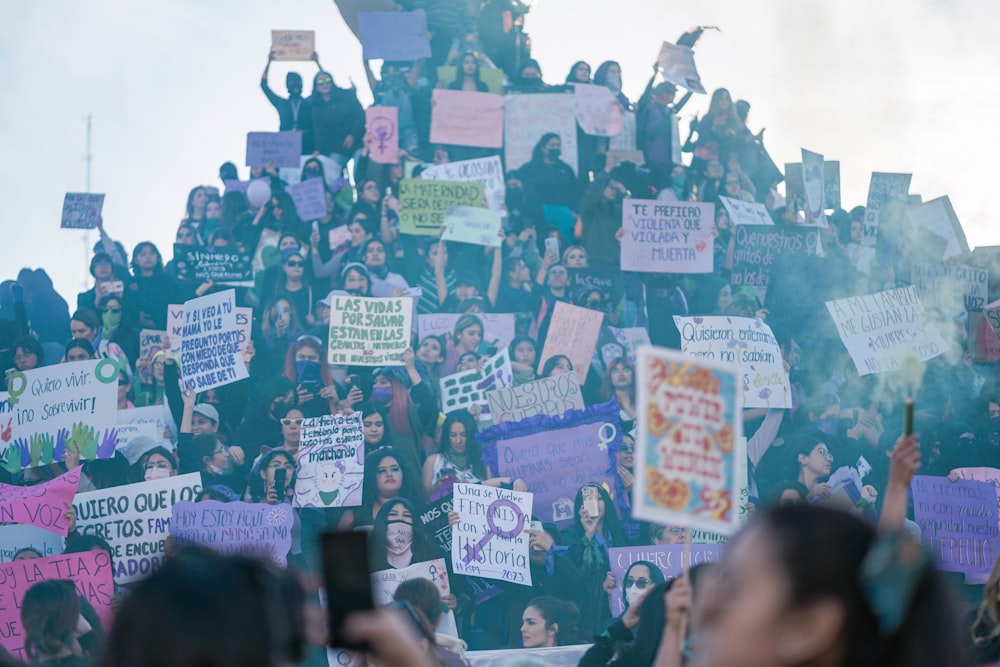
[
  {"x": 43, "y": 505},
  {"x": 383, "y": 126},
  {"x": 958, "y": 522},
  {"x": 255, "y": 529},
  {"x": 671, "y": 560},
  {"x": 309, "y": 198},
  {"x": 242, "y": 186},
  {"x": 284, "y": 149},
  {"x": 394, "y": 35},
  {"x": 81, "y": 210},
  {"x": 555, "y": 456}
]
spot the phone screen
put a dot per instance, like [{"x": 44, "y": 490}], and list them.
[
  {"x": 280, "y": 479},
  {"x": 347, "y": 579},
  {"x": 590, "y": 501}
]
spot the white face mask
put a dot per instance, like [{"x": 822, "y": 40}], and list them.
[
  {"x": 156, "y": 473},
  {"x": 399, "y": 537},
  {"x": 633, "y": 593}
]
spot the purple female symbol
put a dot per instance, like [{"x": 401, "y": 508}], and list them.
[
  {"x": 382, "y": 129},
  {"x": 475, "y": 553}
]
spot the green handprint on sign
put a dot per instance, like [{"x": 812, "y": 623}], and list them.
[
  {"x": 84, "y": 439},
  {"x": 12, "y": 458},
  {"x": 40, "y": 445}
]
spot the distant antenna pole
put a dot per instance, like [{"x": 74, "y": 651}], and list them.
[{"x": 86, "y": 234}]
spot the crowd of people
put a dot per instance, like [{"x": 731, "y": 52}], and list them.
[{"x": 789, "y": 589}]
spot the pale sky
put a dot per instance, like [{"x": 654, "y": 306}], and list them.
[{"x": 890, "y": 85}]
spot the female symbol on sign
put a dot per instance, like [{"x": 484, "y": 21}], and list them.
[
  {"x": 475, "y": 553},
  {"x": 382, "y": 129}
]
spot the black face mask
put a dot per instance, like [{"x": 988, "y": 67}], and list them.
[
  {"x": 553, "y": 153},
  {"x": 313, "y": 173}
]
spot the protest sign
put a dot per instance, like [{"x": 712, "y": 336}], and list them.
[
  {"x": 670, "y": 559},
  {"x": 150, "y": 342},
  {"x": 881, "y": 188},
  {"x": 242, "y": 186},
  {"x": 608, "y": 280},
  {"x": 555, "y": 456},
  {"x": 958, "y": 522},
  {"x": 468, "y": 224},
  {"x": 625, "y": 142},
  {"x": 492, "y": 77},
  {"x": 135, "y": 520},
  {"x": 394, "y": 35},
  {"x": 90, "y": 572},
  {"x": 81, "y": 210},
  {"x": 745, "y": 212},
  {"x": 953, "y": 288},
  {"x": 175, "y": 330},
  {"x": 368, "y": 331},
  {"x": 309, "y": 198},
  {"x": 667, "y": 237},
  {"x": 629, "y": 339},
  {"x": 496, "y": 326},
  {"x": 466, "y": 118},
  {"x": 236, "y": 528},
  {"x": 757, "y": 246},
  {"x": 283, "y": 149},
  {"x": 573, "y": 332},
  {"x": 466, "y": 388},
  {"x": 485, "y": 170},
  {"x": 984, "y": 341},
  {"x": 331, "y": 462},
  {"x": 676, "y": 64},
  {"x": 526, "y": 117},
  {"x": 155, "y": 415},
  {"x": 293, "y": 44},
  {"x": 434, "y": 517},
  {"x": 489, "y": 539},
  {"x": 794, "y": 186},
  {"x": 385, "y": 582},
  {"x": 422, "y": 204},
  {"x": 210, "y": 347},
  {"x": 598, "y": 111},
  {"x": 552, "y": 396},
  {"x": 339, "y": 236},
  {"x": 750, "y": 346},
  {"x": 382, "y": 123},
  {"x": 17, "y": 536},
  {"x": 882, "y": 330},
  {"x": 43, "y": 505},
  {"x": 132, "y": 443},
  {"x": 64, "y": 406},
  {"x": 689, "y": 424},
  {"x": 938, "y": 217},
  {"x": 222, "y": 265},
  {"x": 812, "y": 186}
]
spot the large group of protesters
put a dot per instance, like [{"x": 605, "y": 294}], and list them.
[{"x": 789, "y": 589}]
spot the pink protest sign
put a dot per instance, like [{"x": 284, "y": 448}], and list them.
[
  {"x": 573, "y": 332},
  {"x": 383, "y": 129},
  {"x": 90, "y": 571},
  {"x": 464, "y": 118},
  {"x": 42, "y": 505}
]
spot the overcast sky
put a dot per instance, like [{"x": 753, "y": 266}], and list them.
[{"x": 890, "y": 85}]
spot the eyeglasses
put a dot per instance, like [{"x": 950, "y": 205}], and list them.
[
  {"x": 628, "y": 448},
  {"x": 289, "y": 422},
  {"x": 639, "y": 583},
  {"x": 320, "y": 82},
  {"x": 592, "y": 303},
  {"x": 295, "y": 263},
  {"x": 113, "y": 310},
  {"x": 222, "y": 450}
]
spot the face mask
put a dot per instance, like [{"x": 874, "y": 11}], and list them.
[
  {"x": 381, "y": 395},
  {"x": 553, "y": 153},
  {"x": 156, "y": 473},
  {"x": 677, "y": 181},
  {"x": 313, "y": 173},
  {"x": 399, "y": 537},
  {"x": 306, "y": 370},
  {"x": 632, "y": 594},
  {"x": 110, "y": 320}
]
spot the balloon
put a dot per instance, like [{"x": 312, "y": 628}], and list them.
[{"x": 259, "y": 192}]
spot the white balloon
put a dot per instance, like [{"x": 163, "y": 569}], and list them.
[{"x": 258, "y": 192}]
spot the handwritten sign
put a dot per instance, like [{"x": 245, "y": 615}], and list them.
[
  {"x": 293, "y": 44},
  {"x": 526, "y": 117},
  {"x": 284, "y": 149},
  {"x": 606, "y": 279},
  {"x": 150, "y": 342},
  {"x": 953, "y": 288},
  {"x": 573, "y": 332},
  {"x": 746, "y": 213},
  {"x": 223, "y": 265},
  {"x": 882, "y": 330},
  {"x": 367, "y": 331},
  {"x": 81, "y": 210},
  {"x": 423, "y": 204},
  {"x": 309, "y": 198},
  {"x": 43, "y": 505},
  {"x": 629, "y": 339},
  {"x": 394, "y": 35},
  {"x": 331, "y": 462},
  {"x": 667, "y": 237},
  {"x": 497, "y": 326},
  {"x": 676, "y": 64},
  {"x": 382, "y": 124},
  {"x": 466, "y": 118},
  {"x": 552, "y": 396},
  {"x": 90, "y": 572},
  {"x": 236, "y": 528},
  {"x": 489, "y": 539},
  {"x": 385, "y": 582},
  {"x": 434, "y": 517},
  {"x": 17, "y": 536},
  {"x": 746, "y": 343},
  {"x": 689, "y": 426},
  {"x": 670, "y": 559},
  {"x": 757, "y": 246},
  {"x": 210, "y": 347},
  {"x": 958, "y": 522},
  {"x": 467, "y": 388},
  {"x": 881, "y": 188},
  {"x": 468, "y": 224},
  {"x": 938, "y": 217},
  {"x": 812, "y": 185},
  {"x": 794, "y": 186},
  {"x": 486, "y": 170},
  {"x": 597, "y": 110}
]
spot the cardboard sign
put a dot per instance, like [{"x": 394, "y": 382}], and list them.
[
  {"x": 624, "y": 144},
  {"x": 598, "y": 111},
  {"x": 175, "y": 330},
  {"x": 794, "y": 187},
  {"x": 43, "y": 505},
  {"x": 552, "y": 396},
  {"x": 812, "y": 185},
  {"x": 283, "y": 149},
  {"x": 385, "y": 582},
  {"x": 331, "y": 462},
  {"x": 157, "y": 416},
  {"x": 17, "y": 536},
  {"x": 223, "y": 265},
  {"x": 953, "y": 288},
  {"x": 477, "y": 226},
  {"x": 496, "y": 326},
  {"x": 236, "y": 528},
  {"x": 938, "y": 217},
  {"x": 293, "y": 44},
  {"x": 882, "y": 330},
  {"x": 746, "y": 343},
  {"x": 758, "y": 245},
  {"x": 434, "y": 517},
  {"x": 746, "y": 213},
  {"x": 690, "y": 422},
  {"x": 135, "y": 520},
  {"x": 382, "y": 124},
  {"x": 630, "y": 339},
  {"x": 670, "y": 559},
  {"x": 486, "y": 170},
  {"x": 958, "y": 522},
  {"x": 466, "y": 118},
  {"x": 608, "y": 280},
  {"x": 81, "y": 210},
  {"x": 210, "y": 347},
  {"x": 526, "y": 117},
  {"x": 881, "y": 188},
  {"x": 150, "y": 342},
  {"x": 309, "y": 198},
  {"x": 676, "y": 64},
  {"x": 462, "y": 390},
  {"x": 489, "y": 539},
  {"x": 394, "y": 35},
  {"x": 367, "y": 331},
  {"x": 573, "y": 332},
  {"x": 667, "y": 237},
  {"x": 423, "y": 204}
]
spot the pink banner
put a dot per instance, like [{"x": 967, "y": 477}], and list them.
[
  {"x": 573, "y": 332},
  {"x": 42, "y": 505},
  {"x": 382, "y": 124},
  {"x": 464, "y": 118}
]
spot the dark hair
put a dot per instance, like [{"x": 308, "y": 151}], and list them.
[
  {"x": 612, "y": 527},
  {"x": 655, "y": 575},
  {"x": 551, "y": 362},
  {"x": 787, "y": 485},
  {"x": 258, "y": 491},
  {"x": 423, "y": 548},
  {"x": 29, "y": 344},
  {"x": 806, "y": 440},
  {"x": 423, "y": 595},
  {"x": 473, "y": 450},
  {"x": 648, "y": 634},
  {"x": 536, "y": 152},
  {"x": 82, "y": 543},
  {"x": 157, "y": 268},
  {"x": 204, "y": 446},
  {"x": 411, "y": 487},
  {"x": 607, "y": 390},
  {"x": 571, "y": 76},
  {"x": 189, "y": 207},
  {"x": 558, "y": 612},
  {"x": 50, "y": 611}
]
